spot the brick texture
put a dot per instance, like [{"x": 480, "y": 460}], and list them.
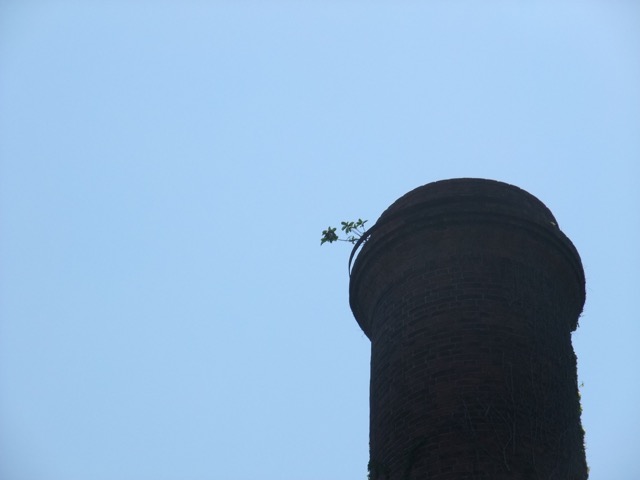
[{"x": 469, "y": 292}]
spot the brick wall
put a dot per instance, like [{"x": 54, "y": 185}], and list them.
[{"x": 469, "y": 292}]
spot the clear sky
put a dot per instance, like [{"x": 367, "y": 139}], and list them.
[{"x": 166, "y": 168}]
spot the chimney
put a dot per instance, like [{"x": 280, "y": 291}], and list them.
[{"x": 469, "y": 292}]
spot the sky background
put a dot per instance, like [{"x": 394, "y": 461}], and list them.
[{"x": 166, "y": 169}]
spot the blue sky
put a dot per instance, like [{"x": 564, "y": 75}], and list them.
[{"x": 166, "y": 168}]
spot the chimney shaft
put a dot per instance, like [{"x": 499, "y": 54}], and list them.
[{"x": 469, "y": 292}]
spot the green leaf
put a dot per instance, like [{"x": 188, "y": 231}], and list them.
[{"x": 353, "y": 230}]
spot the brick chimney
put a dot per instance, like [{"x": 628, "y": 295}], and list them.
[{"x": 469, "y": 292}]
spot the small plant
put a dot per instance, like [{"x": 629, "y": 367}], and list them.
[
  {"x": 377, "y": 471},
  {"x": 352, "y": 230}
]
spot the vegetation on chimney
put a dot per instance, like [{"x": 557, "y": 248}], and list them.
[
  {"x": 352, "y": 230},
  {"x": 377, "y": 471}
]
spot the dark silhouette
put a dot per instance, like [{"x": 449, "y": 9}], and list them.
[{"x": 469, "y": 292}]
